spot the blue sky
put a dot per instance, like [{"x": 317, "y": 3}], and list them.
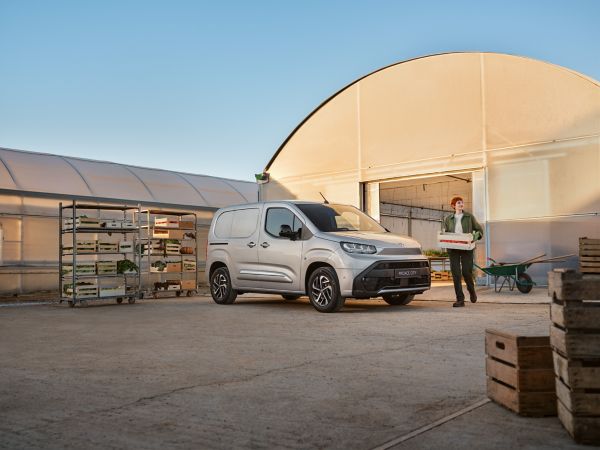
[{"x": 216, "y": 87}]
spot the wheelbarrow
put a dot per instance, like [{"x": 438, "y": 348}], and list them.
[{"x": 513, "y": 274}]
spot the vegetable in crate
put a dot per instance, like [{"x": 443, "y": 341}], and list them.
[
  {"x": 160, "y": 265},
  {"x": 126, "y": 265}
]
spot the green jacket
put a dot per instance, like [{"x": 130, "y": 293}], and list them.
[{"x": 468, "y": 222}]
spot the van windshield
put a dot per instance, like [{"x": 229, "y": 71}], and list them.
[{"x": 332, "y": 218}]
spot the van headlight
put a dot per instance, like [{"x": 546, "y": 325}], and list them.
[{"x": 352, "y": 247}]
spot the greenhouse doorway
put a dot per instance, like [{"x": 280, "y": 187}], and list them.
[{"x": 416, "y": 206}]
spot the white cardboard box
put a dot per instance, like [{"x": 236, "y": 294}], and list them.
[{"x": 457, "y": 241}]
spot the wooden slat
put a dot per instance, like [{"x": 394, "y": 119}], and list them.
[
  {"x": 522, "y": 380},
  {"x": 589, "y": 245},
  {"x": 576, "y": 374},
  {"x": 580, "y": 315},
  {"x": 589, "y": 252},
  {"x": 590, "y": 270},
  {"x": 585, "y": 430},
  {"x": 589, "y": 258},
  {"x": 524, "y": 352},
  {"x": 584, "y": 240},
  {"x": 534, "y": 404},
  {"x": 579, "y": 403},
  {"x": 568, "y": 285},
  {"x": 574, "y": 345},
  {"x": 590, "y": 263}
]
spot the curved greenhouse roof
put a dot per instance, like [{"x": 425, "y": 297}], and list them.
[{"x": 46, "y": 174}]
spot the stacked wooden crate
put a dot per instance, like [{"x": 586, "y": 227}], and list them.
[
  {"x": 519, "y": 371},
  {"x": 575, "y": 340},
  {"x": 589, "y": 255}
]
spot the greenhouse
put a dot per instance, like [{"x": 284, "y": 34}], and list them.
[
  {"x": 32, "y": 185},
  {"x": 517, "y": 138}
]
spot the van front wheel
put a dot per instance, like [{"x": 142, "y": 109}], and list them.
[
  {"x": 324, "y": 290},
  {"x": 221, "y": 289}
]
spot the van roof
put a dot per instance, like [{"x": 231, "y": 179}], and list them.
[{"x": 291, "y": 202}]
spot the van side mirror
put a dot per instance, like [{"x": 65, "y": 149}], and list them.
[{"x": 286, "y": 232}]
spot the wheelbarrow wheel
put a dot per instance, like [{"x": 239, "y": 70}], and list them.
[{"x": 524, "y": 283}]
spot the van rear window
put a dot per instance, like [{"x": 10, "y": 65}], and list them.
[{"x": 240, "y": 223}]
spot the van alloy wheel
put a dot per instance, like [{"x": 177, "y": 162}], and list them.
[
  {"x": 321, "y": 290},
  {"x": 221, "y": 289},
  {"x": 324, "y": 290}
]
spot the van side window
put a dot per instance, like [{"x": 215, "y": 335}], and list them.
[
  {"x": 281, "y": 216},
  {"x": 240, "y": 223},
  {"x": 245, "y": 222},
  {"x": 223, "y": 225}
]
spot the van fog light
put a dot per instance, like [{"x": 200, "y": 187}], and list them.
[{"x": 352, "y": 247}]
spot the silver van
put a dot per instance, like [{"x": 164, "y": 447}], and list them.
[{"x": 326, "y": 251}]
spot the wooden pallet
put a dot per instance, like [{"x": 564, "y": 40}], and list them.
[
  {"x": 520, "y": 373},
  {"x": 589, "y": 255},
  {"x": 575, "y": 339}
]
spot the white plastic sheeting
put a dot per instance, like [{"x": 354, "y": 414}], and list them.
[{"x": 31, "y": 172}]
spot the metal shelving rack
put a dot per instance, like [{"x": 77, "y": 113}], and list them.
[
  {"x": 155, "y": 279},
  {"x": 74, "y": 231}
]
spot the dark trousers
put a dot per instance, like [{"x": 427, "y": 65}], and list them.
[{"x": 462, "y": 258}]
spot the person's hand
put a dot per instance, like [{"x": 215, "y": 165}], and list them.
[{"x": 476, "y": 235}]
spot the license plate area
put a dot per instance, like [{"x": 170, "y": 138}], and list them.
[{"x": 408, "y": 273}]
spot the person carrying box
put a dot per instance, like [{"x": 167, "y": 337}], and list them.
[{"x": 462, "y": 222}]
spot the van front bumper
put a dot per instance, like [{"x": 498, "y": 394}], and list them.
[{"x": 390, "y": 277}]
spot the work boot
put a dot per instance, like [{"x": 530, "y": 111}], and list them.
[
  {"x": 458, "y": 303},
  {"x": 473, "y": 297}
]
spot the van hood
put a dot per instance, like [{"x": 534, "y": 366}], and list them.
[{"x": 385, "y": 240}]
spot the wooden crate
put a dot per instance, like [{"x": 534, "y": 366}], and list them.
[
  {"x": 186, "y": 225},
  {"x": 166, "y": 222},
  {"x": 188, "y": 284},
  {"x": 170, "y": 267},
  {"x": 113, "y": 223},
  {"x": 524, "y": 352},
  {"x": 83, "y": 268},
  {"x": 126, "y": 247},
  {"x": 520, "y": 373},
  {"x": 167, "y": 234},
  {"x": 189, "y": 265},
  {"x": 111, "y": 291},
  {"x": 82, "y": 222},
  {"x": 584, "y": 430},
  {"x": 529, "y": 404},
  {"x": 108, "y": 247},
  {"x": 173, "y": 249},
  {"x": 106, "y": 267},
  {"x": 578, "y": 374},
  {"x": 575, "y": 339},
  {"x": 82, "y": 290},
  {"x": 589, "y": 255}
]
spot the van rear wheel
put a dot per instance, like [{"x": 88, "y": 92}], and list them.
[
  {"x": 221, "y": 289},
  {"x": 398, "y": 299},
  {"x": 324, "y": 290}
]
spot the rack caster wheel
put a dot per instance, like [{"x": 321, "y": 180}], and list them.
[
  {"x": 119, "y": 300},
  {"x": 71, "y": 303},
  {"x": 189, "y": 293},
  {"x": 178, "y": 293},
  {"x": 131, "y": 300}
]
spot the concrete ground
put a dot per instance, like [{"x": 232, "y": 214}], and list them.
[{"x": 263, "y": 373}]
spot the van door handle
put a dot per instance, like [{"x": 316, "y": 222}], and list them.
[
  {"x": 264, "y": 244},
  {"x": 251, "y": 244}
]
